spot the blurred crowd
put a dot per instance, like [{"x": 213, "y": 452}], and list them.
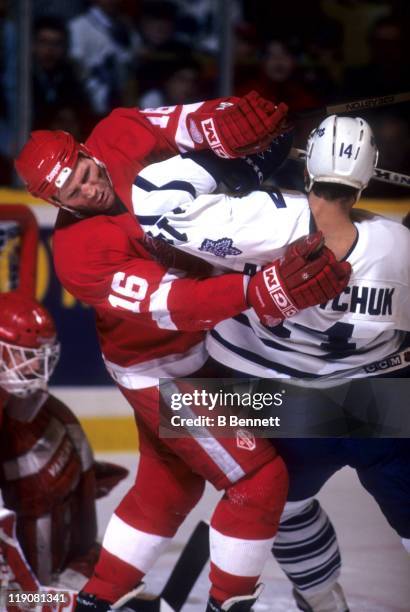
[{"x": 89, "y": 56}]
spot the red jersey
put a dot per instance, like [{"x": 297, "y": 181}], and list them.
[
  {"x": 150, "y": 318},
  {"x": 150, "y": 322},
  {"x": 129, "y": 139}
]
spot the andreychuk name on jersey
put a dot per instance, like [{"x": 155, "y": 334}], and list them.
[{"x": 361, "y": 299}]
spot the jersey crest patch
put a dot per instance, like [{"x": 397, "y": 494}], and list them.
[
  {"x": 245, "y": 440},
  {"x": 220, "y": 248}
]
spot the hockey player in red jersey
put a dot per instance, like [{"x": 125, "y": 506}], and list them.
[
  {"x": 150, "y": 318},
  {"x": 47, "y": 469},
  {"x": 150, "y": 321},
  {"x": 129, "y": 138}
]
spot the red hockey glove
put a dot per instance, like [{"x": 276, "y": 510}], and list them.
[
  {"x": 308, "y": 274},
  {"x": 243, "y": 127}
]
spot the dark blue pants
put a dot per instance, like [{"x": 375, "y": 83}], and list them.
[{"x": 382, "y": 464}]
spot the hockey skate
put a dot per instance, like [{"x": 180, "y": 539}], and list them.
[
  {"x": 131, "y": 602},
  {"x": 242, "y": 603},
  {"x": 332, "y": 600}
]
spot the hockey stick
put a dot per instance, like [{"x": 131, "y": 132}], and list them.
[
  {"x": 356, "y": 105},
  {"x": 187, "y": 569},
  {"x": 385, "y": 176}
]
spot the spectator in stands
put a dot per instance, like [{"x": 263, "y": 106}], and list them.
[
  {"x": 322, "y": 57},
  {"x": 104, "y": 44},
  {"x": 55, "y": 85},
  {"x": 246, "y": 52},
  {"x": 179, "y": 82},
  {"x": 388, "y": 70},
  {"x": 279, "y": 77},
  {"x": 158, "y": 42},
  {"x": 198, "y": 22},
  {"x": 158, "y": 32},
  {"x": 392, "y": 133},
  {"x": 356, "y": 18}
]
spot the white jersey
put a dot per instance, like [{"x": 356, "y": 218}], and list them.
[{"x": 361, "y": 332}]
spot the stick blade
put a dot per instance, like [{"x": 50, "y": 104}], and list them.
[{"x": 187, "y": 569}]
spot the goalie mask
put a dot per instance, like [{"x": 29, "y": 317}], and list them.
[
  {"x": 47, "y": 160},
  {"x": 29, "y": 350},
  {"x": 341, "y": 150}
]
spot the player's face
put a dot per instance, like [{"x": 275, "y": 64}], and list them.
[
  {"x": 88, "y": 188},
  {"x": 28, "y": 363}
]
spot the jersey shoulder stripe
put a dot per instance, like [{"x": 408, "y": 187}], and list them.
[
  {"x": 177, "y": 185},
  {"x": 277, "y": 198}
]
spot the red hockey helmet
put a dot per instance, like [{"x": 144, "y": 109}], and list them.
[
  {"x": 47, "y": 160},
  {"x": 29, "y": 350}
]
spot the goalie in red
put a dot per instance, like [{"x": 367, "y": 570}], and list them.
[
  {"x": 44, "y": 452},
  {"x": 47, "y": 470}
]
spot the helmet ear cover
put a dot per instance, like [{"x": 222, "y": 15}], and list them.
[
  {"x": 29, "y": 350},
  {"x": 341, "y": 150}
]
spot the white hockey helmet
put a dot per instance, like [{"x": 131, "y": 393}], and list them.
[{"x": 341, "y": 150}]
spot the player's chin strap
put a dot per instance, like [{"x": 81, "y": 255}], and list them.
[{"x": 75, "y": 214}]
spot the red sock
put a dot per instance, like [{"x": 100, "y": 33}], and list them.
[
  {"x": 224, "y": 585},
  {"x": 112, "y": 578}
]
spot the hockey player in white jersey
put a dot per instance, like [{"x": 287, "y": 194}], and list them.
[
  {"x": 372, "y": 313},
  {"x": 361, "y": 333}
]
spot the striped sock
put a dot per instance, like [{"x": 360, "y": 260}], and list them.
[{"x": 306, "y": 547}]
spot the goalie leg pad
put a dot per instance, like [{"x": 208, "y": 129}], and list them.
[{"x": 13, "y": 564}]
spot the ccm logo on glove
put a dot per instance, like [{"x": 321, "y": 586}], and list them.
[
  {"x": 282, "y": 301},
  {"x": 307, "y": 275}
]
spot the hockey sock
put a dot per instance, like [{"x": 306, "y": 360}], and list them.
[
  {"x": 126, "y": 556},
  {"x": 143, "y": 525},
  {"x": 242, "y": 530},
  {"x": 306, "y": 547}
]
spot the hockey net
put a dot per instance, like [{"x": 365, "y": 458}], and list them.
[{"x": 18, "y": 248}]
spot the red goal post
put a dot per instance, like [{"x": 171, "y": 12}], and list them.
[{"x": 18, "y": 248}]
